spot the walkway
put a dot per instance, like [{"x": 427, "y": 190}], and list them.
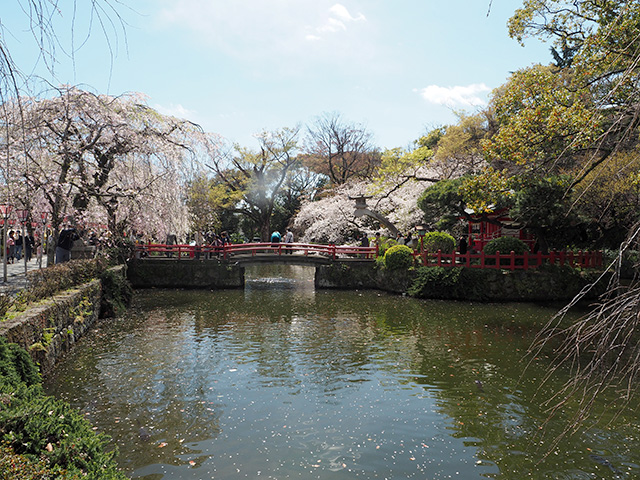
[{"x": 16, "y": 278}]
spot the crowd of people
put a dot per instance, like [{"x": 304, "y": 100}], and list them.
[{"x": 19, "y": 246}]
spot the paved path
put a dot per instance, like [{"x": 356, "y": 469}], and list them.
[{"x": 16, "y": 278}]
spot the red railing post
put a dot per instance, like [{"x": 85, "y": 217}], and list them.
[{"x": 512, "y": 265}]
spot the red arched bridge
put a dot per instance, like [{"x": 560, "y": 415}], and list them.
[
  {"x": 255, "y": 253},
  {"x": 315, "y": 254}
]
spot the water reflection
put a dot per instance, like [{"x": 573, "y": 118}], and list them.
[{"x": 280, "y": 381}]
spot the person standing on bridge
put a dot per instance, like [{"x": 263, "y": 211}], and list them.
[
  {"x": 275, "y": 239},
  {"x": 364, "y": 242},
  {"x": 288, "y": 238}
]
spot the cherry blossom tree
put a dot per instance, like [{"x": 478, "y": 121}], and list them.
[
  {"x": 104, "y": 159},
  {"x": 331, "y": 219}
]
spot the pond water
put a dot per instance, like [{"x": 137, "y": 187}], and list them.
[{"x": 279, "y": 381}]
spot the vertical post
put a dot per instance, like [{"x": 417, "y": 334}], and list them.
[
  {"x": 4, "y": 249},
  {"x": 43, "y": 243}
]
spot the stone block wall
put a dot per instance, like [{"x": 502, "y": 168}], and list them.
[
  {"x": 189, "y": 273},
  {"x": 49, "y": 328}
]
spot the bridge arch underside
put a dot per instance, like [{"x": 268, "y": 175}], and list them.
[{"x": 217, "y": 273}]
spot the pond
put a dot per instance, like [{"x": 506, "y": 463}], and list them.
[{"x": 279, "y": 381}]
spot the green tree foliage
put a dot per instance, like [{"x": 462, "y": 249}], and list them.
[
  {"x": 609, "y": 198},
  {"x": 542, "y": 206},
  {"x": 544, "y": 122},
  {"x": 443, "y": 203},
  {"x": 458, "y": 150},
  {"x": 601, "y": 65},
  {"x": 398, "y": 165},
  {"x": 252, "y": 181},
  {"x": 603, "y": 40},
  {"x": 208, "y": 200}
]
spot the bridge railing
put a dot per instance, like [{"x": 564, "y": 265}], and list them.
[{"x": 184, "y": 251}]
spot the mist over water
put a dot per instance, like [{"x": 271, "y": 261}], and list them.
[{"x": 281, "y": 381}]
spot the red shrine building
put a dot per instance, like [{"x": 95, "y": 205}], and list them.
[{"x": 481, "y": 230}]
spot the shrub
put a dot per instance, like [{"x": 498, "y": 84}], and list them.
[
  {"x": 16, "y": 366},
  {"x": 43, "y": 436},
  {"x": 505, "y": 245},
  {"x": 398, "y": 256},
  {"x": 46, "y": 282},
  {"x": 450, "y": 283},
  {"x": 116, "y": 293},
  {"x": 386, "y": 244},
  {"x": 434, "y": 241}
]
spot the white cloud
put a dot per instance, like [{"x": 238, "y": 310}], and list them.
[
  {"x": 338, "y": 19},
  {"x": 469, "y": 95},
  {"x": 175, "y": 110},
  {"x": 274, "y": 32}
]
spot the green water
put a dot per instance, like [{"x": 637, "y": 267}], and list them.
[{"x": 280, "y": 381}]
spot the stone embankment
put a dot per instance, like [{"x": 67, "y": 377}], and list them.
[
  {"x": 172, "y": 273},
  {"x": 49, "y": 328},
  {"x": 464, "y": 284}
]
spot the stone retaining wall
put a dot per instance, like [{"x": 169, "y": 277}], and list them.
[
  {"x": 562, "y": 283},
  {"x": 171, "y": 273},
  {"x": 49, "y": 328}
]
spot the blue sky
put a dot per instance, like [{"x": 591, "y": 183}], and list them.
[{"x": 237, "y": 67}]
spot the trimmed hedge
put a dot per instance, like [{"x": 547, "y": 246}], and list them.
[
  {"x": 505, "y": 245},
  {"x": 44, "y": 434},
  {"x": 47, "y": 282},
  {"x": 397, "y": 257},
  {"x": 434, "y": 241}
]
